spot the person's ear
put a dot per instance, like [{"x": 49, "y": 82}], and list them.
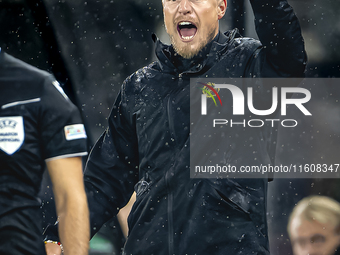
[{"x": 222, "y": 7}]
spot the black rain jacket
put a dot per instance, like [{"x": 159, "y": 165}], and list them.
[{"x": 146, "y": 147}]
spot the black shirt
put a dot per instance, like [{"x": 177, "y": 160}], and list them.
[{"x": 37, "y": 123}]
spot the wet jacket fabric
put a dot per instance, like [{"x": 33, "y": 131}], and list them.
[{"x": 146, "y": 147}]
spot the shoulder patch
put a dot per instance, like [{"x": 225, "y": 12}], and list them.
[
  {"x": 76, "y": 131},
  {"x": 12, "y": 133}
]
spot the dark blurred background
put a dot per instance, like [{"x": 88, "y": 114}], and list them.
[{"x": 92, "y": 46}]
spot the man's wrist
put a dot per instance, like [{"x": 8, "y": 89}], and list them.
[{"x": 55, "y": 242}]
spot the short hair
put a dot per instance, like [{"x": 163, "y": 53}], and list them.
[
  {"x": 317, "y": 208},
  {"x": 216, "y": 0}
]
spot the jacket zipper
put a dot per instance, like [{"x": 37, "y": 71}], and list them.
[
  {"x": 169, "y": 192},
  {"x": 167, "y": 179},
  {"x": 170, "y": 216}
]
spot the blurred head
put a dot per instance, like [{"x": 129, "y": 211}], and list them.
[
  {"x": 314, "y": 226},
  {"x": 192, "y": 24}
]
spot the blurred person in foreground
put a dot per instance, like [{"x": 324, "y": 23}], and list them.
[
  {"x": 39, "y": 125},
  {"x": 314, "y": 226},
  {"x": 146, "y": 146}
]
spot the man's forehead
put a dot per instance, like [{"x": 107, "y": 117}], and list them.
[
  {"x": 218, "y": 1},
  {"x": 303, "y": 227}
]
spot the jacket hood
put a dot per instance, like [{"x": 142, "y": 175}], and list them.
[{"x": 166, "y": 54}]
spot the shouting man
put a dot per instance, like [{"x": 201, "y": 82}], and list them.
[{"x": 146, "y": 146}]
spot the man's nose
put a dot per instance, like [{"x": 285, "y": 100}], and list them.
[{"x": 185, "y": 7}]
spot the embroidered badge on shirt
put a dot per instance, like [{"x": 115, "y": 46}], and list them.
[
  {"x": 12, "y": 134},
  {"x": 76, "y": 131}
]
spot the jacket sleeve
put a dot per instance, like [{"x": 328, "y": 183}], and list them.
[
  {"x": 112, "y": 168},
  {"x": 282, "y": 53}
]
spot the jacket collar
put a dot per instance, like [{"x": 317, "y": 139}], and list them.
[{"x": 170, "y": 63}]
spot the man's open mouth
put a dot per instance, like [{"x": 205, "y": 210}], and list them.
[{"x": 187, "y": 30}]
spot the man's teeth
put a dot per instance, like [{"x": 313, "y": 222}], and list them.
[
  {"x": 187, "y": 37},
  {"x": 186, "y": 23},
  {"x": 183, "y": 23}
]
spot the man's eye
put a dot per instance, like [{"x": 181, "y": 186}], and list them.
[{"x": 317, "y": 239}]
